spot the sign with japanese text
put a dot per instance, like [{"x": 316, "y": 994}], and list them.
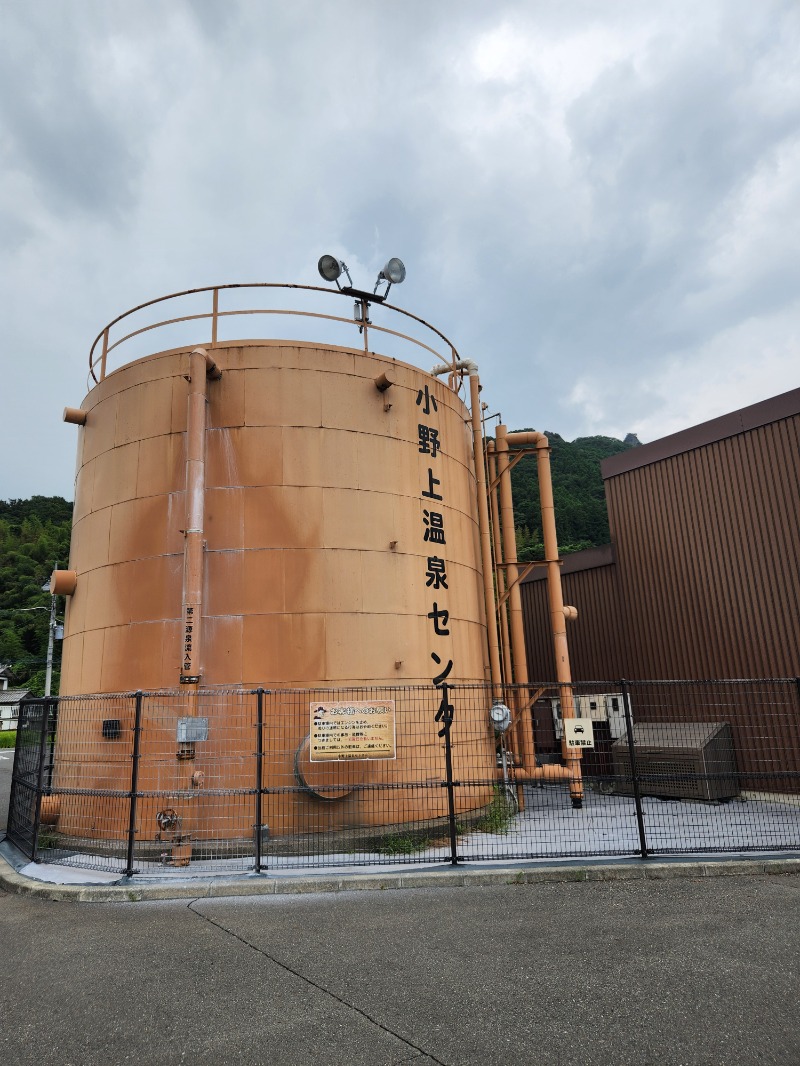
[
  {"x": 579, "y": 732},
  {"x": 430, "y": 443},
  {"x": 358, "y": 729},
  {"x": 191, "y": 613}
]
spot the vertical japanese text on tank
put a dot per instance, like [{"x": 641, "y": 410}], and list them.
[{"x": 434, "y": 533}]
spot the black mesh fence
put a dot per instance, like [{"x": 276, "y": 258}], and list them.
[{"x": 256, "y": 780}]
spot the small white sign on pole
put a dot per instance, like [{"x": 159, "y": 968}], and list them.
[{"x": 579, "y": 732}]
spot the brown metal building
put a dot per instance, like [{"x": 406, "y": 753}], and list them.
[{"x": 701, "y": 579}]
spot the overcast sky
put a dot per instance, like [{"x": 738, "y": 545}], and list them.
[{"x": 597, "y": 200}]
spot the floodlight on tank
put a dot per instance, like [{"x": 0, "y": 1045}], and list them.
[
  {"x": 392, "y": 273},
  {"x": 332, "y": 268}
]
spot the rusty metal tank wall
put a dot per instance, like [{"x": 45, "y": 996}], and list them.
[
  {"x": 325, "y": 503},
  {"x": 315, "y": 517}
]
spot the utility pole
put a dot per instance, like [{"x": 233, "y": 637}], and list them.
[
  {"x": 51, "y": 636},
  {"x": 48, "y": 677}
]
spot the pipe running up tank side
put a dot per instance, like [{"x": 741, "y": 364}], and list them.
[
  {"x": 558, "y": 612},
  {"x": 507, "y": 544},
  {"x": 497, "y": 547},
  {"x": 518, "y": 655},
  {"x": 176, "y": 827},
  {"x": 483, "y": 516},
  {"x": 485, "y": 534}
]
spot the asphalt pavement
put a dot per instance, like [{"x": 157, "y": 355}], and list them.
[
  {"x": 669, "y": 970},
  {"x": 678, "y": 971}
]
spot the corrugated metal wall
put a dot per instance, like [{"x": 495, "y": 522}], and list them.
[
  {"x": 594, "y": 639},
  {"x": 705, "y": 577},
  {"x": 707, "y": 546},
  {"x": 704, "y": 582}
]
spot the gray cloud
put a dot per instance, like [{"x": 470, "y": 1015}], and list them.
[{"x": 598, "y": 202}]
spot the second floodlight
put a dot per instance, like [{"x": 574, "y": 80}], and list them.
[{"x": 393, "y": 273}]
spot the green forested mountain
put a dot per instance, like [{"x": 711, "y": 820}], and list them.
[
  {"x": 34, "y": 538},
  {"x": 581, "y": 517}
]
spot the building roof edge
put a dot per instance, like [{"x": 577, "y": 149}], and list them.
[{"x": 758, "y": 414}]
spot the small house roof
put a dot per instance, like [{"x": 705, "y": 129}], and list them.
[{"x": 13, "y": 695}]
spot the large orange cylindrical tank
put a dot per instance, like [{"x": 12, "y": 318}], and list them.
[
  {"x": 316, "y": 562},
  {"x": 341, "y": 550}
]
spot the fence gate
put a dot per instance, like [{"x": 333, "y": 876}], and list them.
[{"x": 32, "y": 775}]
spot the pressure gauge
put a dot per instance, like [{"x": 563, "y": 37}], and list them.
[{"x": 500, "y": 716}]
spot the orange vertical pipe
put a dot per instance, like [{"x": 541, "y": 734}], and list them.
[
  {"x": 520, "y": 662},
  {"x": 201, "y": 366},
  {"x": 485, "y": 535},
  {"x": 501, "y": 580},
  {"x": 519, "y": 659},
  {"x": 558, "y": 613},
  {"x": 558, "y": 618}
]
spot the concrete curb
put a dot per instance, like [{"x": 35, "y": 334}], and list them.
[{"x": 461, "y": 877}]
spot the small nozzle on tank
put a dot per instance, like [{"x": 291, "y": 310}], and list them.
[
  {"x": 63, "y": 582},
  {"x": 75, "y": 416}
]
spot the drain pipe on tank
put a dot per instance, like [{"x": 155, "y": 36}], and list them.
[
  {"x": 201, "y": 368},
  {"x": 483, "y": 518},
  {"x": 175, "y": 828}
]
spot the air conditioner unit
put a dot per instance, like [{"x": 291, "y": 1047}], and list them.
[
  {"x": 605, "y": 707},
  {"x": 684, "y": 760}
]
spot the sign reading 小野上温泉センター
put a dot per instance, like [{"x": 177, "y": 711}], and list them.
[
  {"x": 355, "y": 729},
  {"x": 429, "y": 443}
]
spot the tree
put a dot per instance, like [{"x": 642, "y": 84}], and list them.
[
  {"x": 578, "y": 495},
  {"x": 34, "y": 537}
]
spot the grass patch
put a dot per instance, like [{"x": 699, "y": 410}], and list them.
[
  {"x": 48, "y": 838},
  {"x": 8, "y": 738},
  {"x": 498, "y": 815},
  {"x": 403, "y": 843}
]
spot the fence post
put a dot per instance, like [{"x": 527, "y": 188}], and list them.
[
  {"x": 259, "y": 772},
  {"x": 37, "y": 816},
  {"x": 637, "y": 796},
  {"x": 51, "y": 746},
  {"x": 445, "y": 716},
  {"x": 137, "y": 731}
]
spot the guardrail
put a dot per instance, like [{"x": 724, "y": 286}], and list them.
[{"x": 104, "y": 344}]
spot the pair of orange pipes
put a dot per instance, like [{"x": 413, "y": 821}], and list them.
[{"x": 498, "y": 454}]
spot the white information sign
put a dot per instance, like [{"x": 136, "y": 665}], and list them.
[
  {"x": 579, "y": 732},
  {"x": 360, "y": 729}
]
